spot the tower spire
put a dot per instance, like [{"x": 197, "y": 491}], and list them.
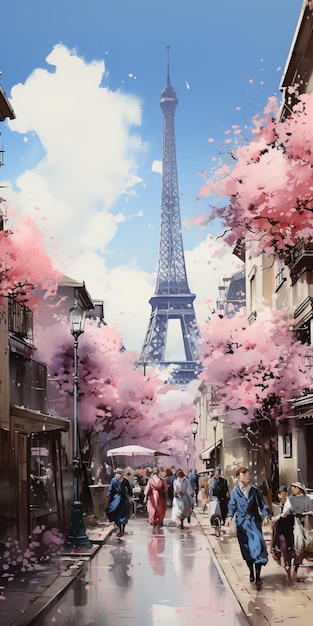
[
  {"x": 168, "y": 65},
  {"x": 172, "y": 299}
]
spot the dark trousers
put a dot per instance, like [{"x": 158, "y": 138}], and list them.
[{"x": 224, "y": 506}]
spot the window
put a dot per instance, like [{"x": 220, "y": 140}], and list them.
[
  {"x": 41, "y": 475},
  {"x": 279, "y": 276},
  {"x": 287, "y": 445}
]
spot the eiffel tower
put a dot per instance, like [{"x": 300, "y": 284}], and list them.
[{"x": 172, "y": 299}]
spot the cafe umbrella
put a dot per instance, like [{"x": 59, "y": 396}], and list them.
[{"x": 134, "y": 450}]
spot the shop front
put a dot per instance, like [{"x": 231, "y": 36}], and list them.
[{"x": 40, "y": 471}]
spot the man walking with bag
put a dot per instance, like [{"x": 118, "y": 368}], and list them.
[{"x": 218, "y": 487}]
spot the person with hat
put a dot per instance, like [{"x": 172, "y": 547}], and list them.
[
  {"x": 119, "y": 493},
  {"x": 296, "y": 505},
  {"x": 155, "y": 494},
  {"x": 218, "y": 487},
  {"x": 282, "y": 535},
  {"x": 298, "y": 502},
  {"x": 247, "y": 503}
]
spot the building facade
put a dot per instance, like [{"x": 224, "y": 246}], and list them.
[{"x": 286, "y": 282}]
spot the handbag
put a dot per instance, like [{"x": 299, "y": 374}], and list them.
[
  {"x": 214, "y": 508},
  {"x": 233, "y": 527},
  {"x": 301, "y": 537}
]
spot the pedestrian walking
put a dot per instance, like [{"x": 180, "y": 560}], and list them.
[
  {"x": 194, "y": 481},
  {"x": 297, "y": 505},
  {"x": 170, "y": 477},
  {"x": 138, "y": 494},
  {"x": 204, "y": 489},
  {"x": 218, "y": 488},
  {"x": 183, "y": 498},
  {"x": 204, "y": 493},
  {"x": 282, "y": 544},
  {"x": 155, "y": 495},
  {"x": 247, "y": 503},
  {"x": 119, "y": 494}
]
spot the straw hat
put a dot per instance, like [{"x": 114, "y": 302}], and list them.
[{"x": 299, "y": 485}]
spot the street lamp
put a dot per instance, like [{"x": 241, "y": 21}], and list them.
[
  {"x": 77, "y": 536},
  {"x": 214, "y": 422},
  {"x": 194, "y": 430},
  {"x": 187, "y": 459}
]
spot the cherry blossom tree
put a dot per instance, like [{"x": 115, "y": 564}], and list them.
[
  {"x": 113, "y": 392},
  {"x": 24, "y": 264},
  {"x": 267, "y": 181},
  {"x": 168, "y": 423},
  {"x": 255, "y": 367},
  {"x": 115, "y": 397}
]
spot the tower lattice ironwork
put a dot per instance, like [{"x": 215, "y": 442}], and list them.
[{"x": 172, "y": 298}]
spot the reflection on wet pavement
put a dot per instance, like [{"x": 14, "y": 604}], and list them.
[{"x": 146, "y": 579}]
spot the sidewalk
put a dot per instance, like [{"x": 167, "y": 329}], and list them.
[
  {"x": 279, "y": 601},
  {"x": 29, "y": 594}
]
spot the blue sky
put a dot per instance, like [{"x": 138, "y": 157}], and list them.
[{"x": 84, "y": 78}]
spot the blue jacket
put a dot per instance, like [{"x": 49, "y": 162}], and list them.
[
  {"x": 248, "y": 513},
  {"x": 194, "y": 480}
]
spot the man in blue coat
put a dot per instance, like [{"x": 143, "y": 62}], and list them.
[{"x": 247, "y": 502}]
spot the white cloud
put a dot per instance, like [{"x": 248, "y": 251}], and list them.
[
  {"x": 90, "y": 138},
  {"x": 157, "y": 167},
  {"x": 206, "y": 271},
  {"x": 87, "y": 132}
]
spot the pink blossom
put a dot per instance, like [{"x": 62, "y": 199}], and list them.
[
  {"x": 254, "y": 366},
  {"x": 267, "y": 184}
]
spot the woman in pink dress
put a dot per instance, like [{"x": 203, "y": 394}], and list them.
[{"x": 155, "y": 495}]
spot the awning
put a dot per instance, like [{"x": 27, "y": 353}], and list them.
[
  {"x": 29, "y": 421},
  {"x": 206, "y": 454}
]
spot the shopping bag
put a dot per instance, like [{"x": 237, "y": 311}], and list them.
[
  {"x": 302, "y": 539},
  {"x": 214, "y": 508},
  {"x": 233, "y": 527}
]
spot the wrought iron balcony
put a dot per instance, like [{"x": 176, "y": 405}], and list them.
[
  {"x": 20, "y": 321},
  {"x": 300, "y": 259},
  {"x": 305, "y": 393}
]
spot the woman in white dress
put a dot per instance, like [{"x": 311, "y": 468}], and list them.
[{"x": 182, "y": 498}]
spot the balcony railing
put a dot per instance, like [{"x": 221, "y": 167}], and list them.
[
  {"x": 304, "y": 392},
  {"x": 299, "y": 259},
  {"x": 20, "y": 320}
]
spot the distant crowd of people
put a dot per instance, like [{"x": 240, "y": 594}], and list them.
[
  {"x": 151, "y": 489},
  {"x": 244, "y": 509},
  {"x": 156, "y": 489}
]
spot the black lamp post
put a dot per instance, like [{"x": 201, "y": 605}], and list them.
[
  {"x": 194, "y": 430},
  {"x": 77, "y": 536},
  {"x": 214, "y": 422}
]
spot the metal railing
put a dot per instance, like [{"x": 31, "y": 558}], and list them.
[{"x": 20, "y": 320}]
